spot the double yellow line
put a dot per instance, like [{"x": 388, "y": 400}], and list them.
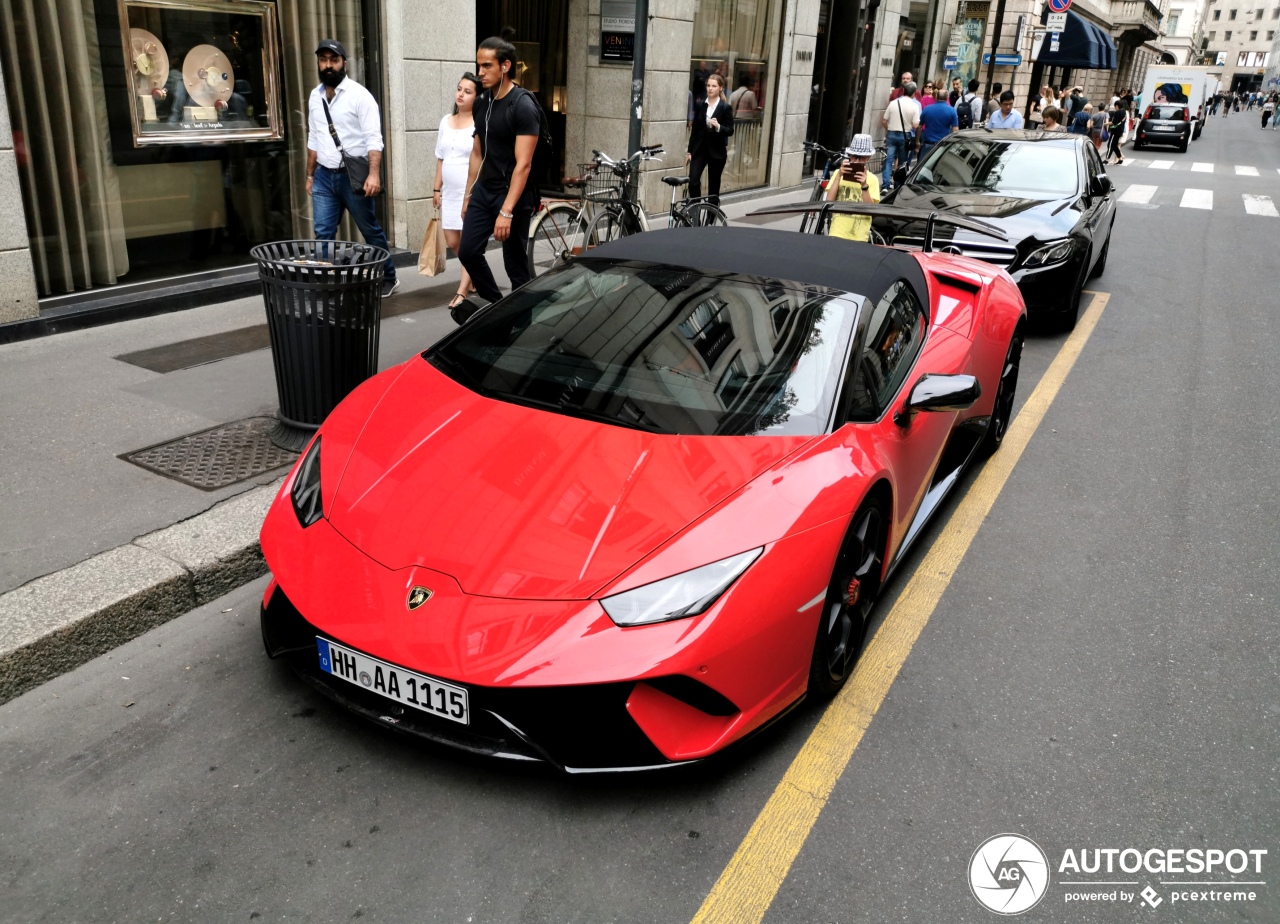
[{"x": 746, "y": 888}]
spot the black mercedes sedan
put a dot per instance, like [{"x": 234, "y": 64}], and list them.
[{"x": 1049, "y": 193}]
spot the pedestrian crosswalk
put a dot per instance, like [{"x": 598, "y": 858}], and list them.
[
  {"x": 1195, "y": 167},
  {"x": 1141, "y": 195},
  {"x": 1260, "y": 205}
]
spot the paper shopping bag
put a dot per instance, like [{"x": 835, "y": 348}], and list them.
[{"x": 431, "y": 257}]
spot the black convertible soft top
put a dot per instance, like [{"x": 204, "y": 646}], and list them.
[{"x": 851, "y": 266}]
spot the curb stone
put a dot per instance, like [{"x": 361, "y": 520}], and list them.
[{"x": 55, "y": 623}]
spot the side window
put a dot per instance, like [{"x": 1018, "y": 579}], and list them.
[
  {"x": 1092, "y": 167},
  {"x": 893, "y": 334}
]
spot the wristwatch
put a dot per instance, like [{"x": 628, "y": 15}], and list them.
[{"x": 865, "y": 187}]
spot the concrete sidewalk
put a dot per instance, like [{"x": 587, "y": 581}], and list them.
[{"x": 95, "y": 550}]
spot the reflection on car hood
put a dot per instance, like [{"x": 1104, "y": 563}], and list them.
[
  {"x": 517, "y": 502},
  {"x": 1020, "y": 218}
]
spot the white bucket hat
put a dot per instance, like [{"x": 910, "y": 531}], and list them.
[{"x": 860, "y": 146}]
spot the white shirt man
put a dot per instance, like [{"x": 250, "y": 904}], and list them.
[
  {"x": 355, "y": 116},
  {"x": 902, "y": 115},
  {"x": 355, "y": 119}
]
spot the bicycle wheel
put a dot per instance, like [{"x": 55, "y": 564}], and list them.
[
  {"x": 704, "y": 215},
  {"x": 553, "y": 236},
  {"x": 607, "y": 226}
]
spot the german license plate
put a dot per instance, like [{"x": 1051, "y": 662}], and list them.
[{"x": 411, "y": 689}]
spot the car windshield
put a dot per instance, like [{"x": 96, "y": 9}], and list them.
[
  {"x": 1172, "y": 113},
  {"x": 1029, "y": 170},
  {"x": 662, "y": 349}
]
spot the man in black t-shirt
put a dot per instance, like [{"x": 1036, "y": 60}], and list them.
[{"x": 500, "y": 198}]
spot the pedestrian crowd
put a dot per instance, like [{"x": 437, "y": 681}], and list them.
[{"x": 485, "y": 186}]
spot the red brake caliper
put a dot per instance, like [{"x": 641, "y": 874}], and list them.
[{"x": 851, "y": 595}]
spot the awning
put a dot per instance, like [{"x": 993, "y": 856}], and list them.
[{"x": 1081, "y": 44}]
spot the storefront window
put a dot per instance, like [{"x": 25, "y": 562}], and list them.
[
  {"x": 737, "y": 39},
  {"x": 199, "y": 94},
  {"x": 156, "y": 138}
]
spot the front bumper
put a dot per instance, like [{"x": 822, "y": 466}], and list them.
[
  {"x": 1048, "y": 290},
  {"x": 577, "y": 729}
]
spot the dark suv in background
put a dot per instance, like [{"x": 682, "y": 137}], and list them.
[{"x": 1165, "y": 123}]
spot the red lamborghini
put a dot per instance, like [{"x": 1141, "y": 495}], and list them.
[{"x": 641, "y": 507}]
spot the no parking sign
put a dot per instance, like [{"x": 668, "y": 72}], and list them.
[{"x": 1059, "y": 6}]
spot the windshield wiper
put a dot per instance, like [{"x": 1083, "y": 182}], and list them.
[{"x": 570, "y": 410}]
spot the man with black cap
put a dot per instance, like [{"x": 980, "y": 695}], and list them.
[{"x": 343, "y": 123}]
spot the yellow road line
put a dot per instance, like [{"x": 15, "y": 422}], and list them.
[{"x": 746, "y": 888}]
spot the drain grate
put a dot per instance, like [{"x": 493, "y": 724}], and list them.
[{"x": 217, "y": 457}]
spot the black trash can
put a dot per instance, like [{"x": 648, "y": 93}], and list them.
[{"x": 324, "y": 305}]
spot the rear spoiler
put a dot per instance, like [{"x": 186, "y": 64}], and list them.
[{"x": 931, "y": 218}]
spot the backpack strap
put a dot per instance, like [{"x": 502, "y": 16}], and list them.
[{"x": 333, "y": 132}]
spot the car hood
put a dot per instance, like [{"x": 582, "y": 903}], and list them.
[
  {"x": 523, "y": 503},
  {"x": 1020, "y": 218}
]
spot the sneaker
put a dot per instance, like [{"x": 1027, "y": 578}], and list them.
[{"x": 389, "y": 287}]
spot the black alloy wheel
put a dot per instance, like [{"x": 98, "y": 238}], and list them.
[
  {"x": 855, "y": 584},
  {"x": 1002, "y": 410}
]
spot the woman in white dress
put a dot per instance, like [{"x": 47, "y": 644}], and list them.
[{"x": 453, "y": 158}]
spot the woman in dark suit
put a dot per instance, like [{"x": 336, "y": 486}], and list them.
[{"x": 709, "y": 139}]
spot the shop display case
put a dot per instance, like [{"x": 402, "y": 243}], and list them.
[{"x": 201, "y": 71}]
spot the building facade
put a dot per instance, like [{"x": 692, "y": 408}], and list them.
[
  {"x": 1239, "y": 38},
  {"x": 153, "y": 140},
  {"x": 162, "y": 139},
  {"x": 1182, "y": 38}
]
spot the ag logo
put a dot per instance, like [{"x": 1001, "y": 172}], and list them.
[
  {"x": 418, "y": 596},
  {"x": 1008, "y": 874}
]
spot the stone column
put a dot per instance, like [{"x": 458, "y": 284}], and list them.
[
  {"x": 17, "y": 275},
  {"x": 666, "y": 94},
  {"x": 428, "y": 47},
  {"x": 795, "y": 82}
]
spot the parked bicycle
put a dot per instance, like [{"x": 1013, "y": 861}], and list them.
[
  {"x": 558, "y": 231},
  {"x": 608, "y": 210}
]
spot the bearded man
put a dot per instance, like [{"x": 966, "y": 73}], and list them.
[{"x": 343, "y": 123}]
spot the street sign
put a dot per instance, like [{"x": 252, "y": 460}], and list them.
[
  {"x": 1053, "y": 42},
  {"x": 949, "y": 62},
  {"x": 1057, "y": 22},
  {"x": 1003, "y": 60},
  {"x": 1059, "y": 6}
]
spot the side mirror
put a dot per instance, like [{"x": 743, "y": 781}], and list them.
[
  {"x": 1100, "y": 185},
  {"x": 899, "y": 176},
  {"x": 939, "y": 393}
]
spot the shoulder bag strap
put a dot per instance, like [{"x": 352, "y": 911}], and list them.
[{"x": 333, "y": 132}]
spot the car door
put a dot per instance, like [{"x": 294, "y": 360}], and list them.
[
  {"x": 1098, "y": 208},
  {"x": 894, "y": 348}
]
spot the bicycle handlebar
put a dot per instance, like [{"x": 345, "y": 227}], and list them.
[
  {"x": 647, "y": 152},
  {"x": 814, "y": 146}
]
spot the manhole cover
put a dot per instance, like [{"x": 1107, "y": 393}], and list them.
[{"x": 216, "y": 457}]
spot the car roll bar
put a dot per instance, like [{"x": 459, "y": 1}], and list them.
[{"x": 930, "y": 217}]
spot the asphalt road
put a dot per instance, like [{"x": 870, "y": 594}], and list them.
[{"x": 1101, "y": 672}]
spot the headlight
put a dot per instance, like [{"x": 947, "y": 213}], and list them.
[
  {"x": 306, "y": 487},
  {"x": 1049, "y": 253},
  {"x": 681, "y": 595}
]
